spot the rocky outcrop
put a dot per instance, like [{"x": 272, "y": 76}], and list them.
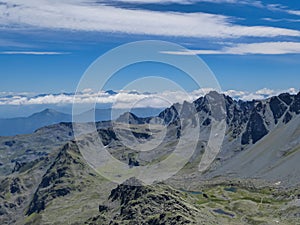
[
  {"x": 139, "y": 204},
  {"x": 278, "y": 108}
]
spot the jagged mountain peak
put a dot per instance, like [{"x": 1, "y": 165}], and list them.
[{"x": 129, "y": 118}]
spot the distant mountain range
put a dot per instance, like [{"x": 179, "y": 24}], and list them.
[
  {"x": 27, "y": 125},
  {"x": 254, "y": 179}
]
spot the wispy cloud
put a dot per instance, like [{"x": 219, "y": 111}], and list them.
[
  {"x": 31, "y": 53},
  {"x": 282, "y": 8},
  {"x": 10, "y": 43},
  {"x": 79, "y": 15},
  {"x": 266, "y": 48},
  {"x": 248, "y": 2},
  {"x": 255, "y": 3},
  {"x": 294, "y": 12},
  {"x": 281, "y": 19},
  {"x": 155, "y": 1}
]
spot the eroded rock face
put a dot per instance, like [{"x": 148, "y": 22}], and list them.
[
  {"x": 107, "y": 135},
  {"x": 253, "y": 120},
  {"x": 170, "y": 114},
  {"x": 295, "y": 106},
  {"x": 255, "y": 129},
  {"x": 287, "y": 118},
  {"x": 278, "y": 108},
  {"x": 286, "y": 98}
]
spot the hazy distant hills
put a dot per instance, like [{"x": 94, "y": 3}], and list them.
[
  {"x": 112, "y": 114},
  {"x": 27, "y": 125}
]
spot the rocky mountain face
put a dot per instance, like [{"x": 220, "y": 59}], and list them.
[
  {"x": 247, "y": 121},
  {"x": 253, "y": 180},
  {"x": 274, "y": 157},
  {"x": 261, "y": 139}
]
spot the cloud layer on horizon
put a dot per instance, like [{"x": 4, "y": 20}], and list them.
[{"x": 130, "y": 99}]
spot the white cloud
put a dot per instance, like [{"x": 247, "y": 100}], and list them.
[
  {"x": 265, "y": 91},
  {"x": 10, "y": 43},
  {"x": 268, "y": 48},
  {"x": 247, "y": 2},
  {"x": 282, "y": 8},
  {"x": 84, "y": 16},
  {"x": 281, "y": 19},
  {"x": 177, "y": 1},
  {"x": 259, "y": 94},
  {"x": 294, "y": 12},
  {"x": 235, "y": 93},
  {"x": 31, "y": 53},
  {"x": 258, "y": 4},
  {"x": 127, "y": 99},
  {"x": 156, "y": 1}
]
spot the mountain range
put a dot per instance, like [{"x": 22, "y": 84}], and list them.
[
  {"x": 27, "y": 125},
  {"x": 254, "y": 179}
]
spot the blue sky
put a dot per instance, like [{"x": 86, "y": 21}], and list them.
[{"x": 46, "y": 45}]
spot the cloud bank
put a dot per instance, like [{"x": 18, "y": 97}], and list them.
[{"x": 130, "y": 99}]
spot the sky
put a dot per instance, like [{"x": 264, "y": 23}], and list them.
[{"x": 47, "y": 45}]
